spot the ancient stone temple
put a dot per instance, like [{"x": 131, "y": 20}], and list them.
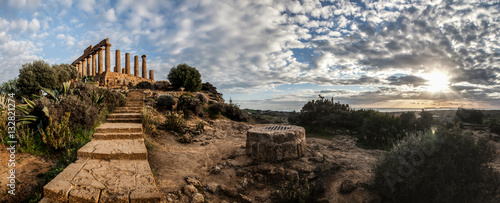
[{"x": 87, "y": 66}]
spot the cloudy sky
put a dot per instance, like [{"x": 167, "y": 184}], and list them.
[{"x": 278, "y": 55}]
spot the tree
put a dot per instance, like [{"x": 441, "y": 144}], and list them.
[
  {"x": 10, "y": 86},
  {"x": 185, "y": 76},
  {"x": 65, "y": 72},
  {"x": 35, "y": 75}
]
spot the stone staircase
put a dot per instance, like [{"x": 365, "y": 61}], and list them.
[{"x": 113, "y": 167}]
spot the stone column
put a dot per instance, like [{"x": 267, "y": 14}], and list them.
[
  {"x": 89, "y": 65},
  {"x": 99, "y": 58},
  {"x": 108, "y": 57},
  {"x": 151, "y": 75},
  {"x": 136, "y": 66},
  {"x": 127, "y": 63},
  {"x": 84, "y": 66},
  {"x": 79, "y": 65},
  {"x": 94, "y": 59},
  {"x": 118, "y": 65},
  {"x": 144, "y": 67}
]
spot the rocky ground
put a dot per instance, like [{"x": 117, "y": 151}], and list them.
[{"x": 215, "y": 168}]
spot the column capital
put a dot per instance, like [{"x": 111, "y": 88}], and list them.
[{"x": 143, "y": 56}]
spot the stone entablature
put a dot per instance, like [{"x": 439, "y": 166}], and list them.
[{"x": 91, "y": 62}]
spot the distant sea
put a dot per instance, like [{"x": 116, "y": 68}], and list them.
[{"x": 408, "y": 109}]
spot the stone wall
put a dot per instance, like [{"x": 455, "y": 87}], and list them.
[
  {"x": 119, "y": 79},
  {"x": 273, "y": 143}
]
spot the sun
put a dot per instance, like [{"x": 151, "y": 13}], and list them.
[{"x": 437, "y": 82}]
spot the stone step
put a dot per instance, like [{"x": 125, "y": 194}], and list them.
[
  {"x": 128, "y": 110},
  {"x": 124, "y": 120},
  {"x": 114, "y": 149},
  {"x": 110, "y": 136},
  {"x": 93, "y": 180},
  {"x": 129, "y": 107},
  {"x": 119, "y": 128},
  {"x": 125, "y": 115}
]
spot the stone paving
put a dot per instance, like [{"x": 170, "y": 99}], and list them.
[{"x": 113, "y": 167}]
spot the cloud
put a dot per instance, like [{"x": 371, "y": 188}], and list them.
[{"x": 410, "y": 80}]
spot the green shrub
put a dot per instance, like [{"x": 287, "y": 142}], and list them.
[
  {"x": 64, "y": 72},
  {"x": 83, "y": 114},
  {"x": 57, "y": 135},
  {"x": 165, "y": 101},
  {"x": 469, "y": 115},
  {"x": 34, "y": 75},
  {"x": 144, "y": 85},
  {"x": 233, "y": 112},
  {"x": 325, "y": 114},
  {"x": 495, "y": 127},
  {"x": 448, "y": 166},
  {"x": 189, "y": 105},
  {"x": 380, "y": 130},
  {"x": 202, "y": 97},
  {"x": 175, "y": 122},
  {"x": 209, "y": 87},
  {"x": 185, "y": 76},
  {"x": 216, "y": 108}
]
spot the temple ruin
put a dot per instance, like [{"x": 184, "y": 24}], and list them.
[{"x": 91, "y": 64}]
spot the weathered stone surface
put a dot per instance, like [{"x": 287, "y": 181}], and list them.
[
  {"x": 127, "y": 63},
  {"x": 114, "y": 149},
  {"x": 197, "y": 198},
  {"x": 189, "y": 190},
  {"x": 276, "y": 143},
  {"x": 151, "y": 75},
  {"x": 144, "y": 67},
  {"x": 119, "y": 128},
  {"x": 115, "y": 181},
  {"x": 118, "y": 66},
  {"x": 136, "y": 66},
  {"x": 111, "y": 136},
  {"x": 108, "y": 57}
]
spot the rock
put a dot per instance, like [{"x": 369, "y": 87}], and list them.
[
  {"x": 212, "y": 188},
  {"x": 318, "y": 157},
  {"x": 240, "y": 172},
  {"x": 204, "y": 143},
  {"x": 197, "y": 198},
  {"x": 186, "y": 138},
  {"x": 495, "y": 137},
  {"x": 193, "y": 181},
  {"x": 231, "y": 192},
  {"x": 215, "y": 170},
  {"x": 189, "y": 190},
  {"x": 243, "y": 182},
  {"x": 347, "y": 186},
  {"x": 323, "y": 200},
  {"x": 245, "y": 199}
]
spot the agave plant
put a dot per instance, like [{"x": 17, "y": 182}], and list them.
[
  {"x": 52, "y": 94},
  {"x": 96, "y": 98},
  {"x": 27, "y": 116}
]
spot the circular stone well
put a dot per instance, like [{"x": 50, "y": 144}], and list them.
[{"x": 273, "y": 143}]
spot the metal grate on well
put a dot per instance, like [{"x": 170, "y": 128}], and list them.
[{"x": 277, "y": 127}]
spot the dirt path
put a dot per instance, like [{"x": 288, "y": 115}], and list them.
[{"x": 28, "y": 168}]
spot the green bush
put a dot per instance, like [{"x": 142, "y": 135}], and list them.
[
  {"x": 233, "y": 112},
  {"x": 202, "y": 97},
  {"x": 380, "y": 130},
  {"x": 165, "y": 101},
  {"x": 175, "y": 122},
  {"x": 448, "y": 166},
  {"x": 216, "y": 108},
  {"x": 325, "y": 114},
  {"x": 185, "y": 76},
  {"x": 209, "y": 87},
  {"x": 64, "y": 72},
  {"x": 189, "y": 105},
  {"x": 144, "y": 85},
  {"x": 469, "y": 115},
  {"x": 34, "y": 75},
  {"x": 83, "y": 114}
]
